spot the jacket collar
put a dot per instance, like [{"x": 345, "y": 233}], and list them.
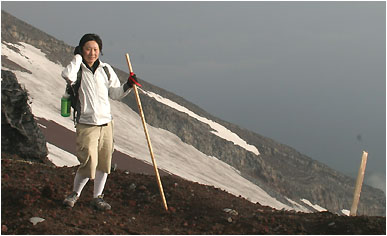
[{"x": 94, "y": 67}]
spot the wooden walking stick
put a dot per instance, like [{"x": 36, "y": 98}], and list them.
[{"x": 147, "y": 135}]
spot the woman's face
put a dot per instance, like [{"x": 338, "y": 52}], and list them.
[{"x": 90, "y": 52}]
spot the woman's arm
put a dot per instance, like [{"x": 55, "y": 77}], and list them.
[
  {"x": 116, "y": 90},
  {"x": 71, "y": 70}
]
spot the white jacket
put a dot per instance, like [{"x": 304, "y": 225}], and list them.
[{"x": 95, "y": 91}]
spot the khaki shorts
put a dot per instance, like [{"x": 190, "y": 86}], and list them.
[{"x": 94, "y": 148}]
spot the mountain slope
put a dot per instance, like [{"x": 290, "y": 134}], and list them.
[
  {"x": 172, "y": 154},
  {"x": 279, "y": 170},
  {"x": 32, "y": 195}
]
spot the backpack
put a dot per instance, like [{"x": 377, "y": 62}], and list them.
[{"x": 73, "y": 92}]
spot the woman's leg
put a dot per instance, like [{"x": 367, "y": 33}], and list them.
[
  {"x": 79, "y": 183},
  {"x": 99, "y": 183},
  {"x": 105, "y": 150}
]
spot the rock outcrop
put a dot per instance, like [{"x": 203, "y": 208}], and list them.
[{"x": 20, "y": 133}]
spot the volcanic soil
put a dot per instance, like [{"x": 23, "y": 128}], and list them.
[{"x": 37, "y": 190}]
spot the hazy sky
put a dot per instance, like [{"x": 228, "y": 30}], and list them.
[{"x": 311, "y": 75}]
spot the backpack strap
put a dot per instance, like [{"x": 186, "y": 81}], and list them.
[
  {"x": 106, "y": 69},
  {"x": 79, "y": 74},
  {"x": 75, "y": 87}
]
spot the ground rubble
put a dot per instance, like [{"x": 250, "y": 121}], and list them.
[{"x": 37, "y": 190}]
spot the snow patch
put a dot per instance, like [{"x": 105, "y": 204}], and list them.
[
  {"x": 297, "y": 206},
  {"x": 219, "y": 130},
  {"x": 43, "y": 126},
  {"x": 60, "y": 157},
  {"x": 315, "y": 206},
  {"x": 345, "y": 212}
]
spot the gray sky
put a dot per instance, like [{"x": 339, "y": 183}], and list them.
[{"x": 311, "y": 75}]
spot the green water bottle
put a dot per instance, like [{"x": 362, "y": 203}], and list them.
[{"x": 65, "y": 105}]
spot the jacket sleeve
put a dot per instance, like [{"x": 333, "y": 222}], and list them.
[
  {"x": 70, "y": 72},
  {"x": 116, "y": 90}
]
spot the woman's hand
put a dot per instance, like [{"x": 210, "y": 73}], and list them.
[{"x": 133, "y": 80}]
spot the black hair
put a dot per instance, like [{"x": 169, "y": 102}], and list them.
[{"x": 90, "y": 37}]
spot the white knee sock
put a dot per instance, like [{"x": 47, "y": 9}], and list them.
[
  {"x": 99, "y": 183},
  {"x": 79, "y": 183}
]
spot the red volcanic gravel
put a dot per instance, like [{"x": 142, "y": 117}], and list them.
[{"x": 37, "y": 190}]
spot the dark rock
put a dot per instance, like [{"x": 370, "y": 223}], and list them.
[{"x": 20, "y": 133}]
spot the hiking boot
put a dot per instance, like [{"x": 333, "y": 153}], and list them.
[
  {"x": 100, "y": 204},
  {"x": 71, "y": 199}
]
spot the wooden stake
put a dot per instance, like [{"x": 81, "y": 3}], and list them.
[
  {"x": 359, "y": 183},
  {"x": 147, "y": 136}
]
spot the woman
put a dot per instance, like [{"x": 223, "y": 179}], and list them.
[{"x": 95, "y": 124}]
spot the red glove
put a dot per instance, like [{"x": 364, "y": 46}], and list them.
[{"x": 133, "y": 80}]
